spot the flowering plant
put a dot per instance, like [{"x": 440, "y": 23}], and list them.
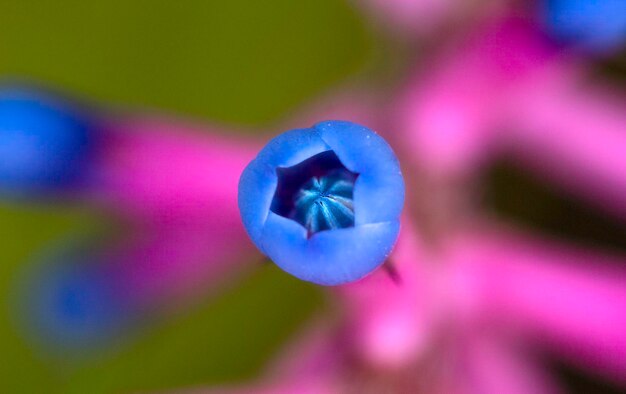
[{"x": 438, "y": 297}]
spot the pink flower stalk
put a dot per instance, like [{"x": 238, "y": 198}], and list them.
[
  {"x": 574, "y": 135},
  {"x": 159, "y": 168},
  {"x": 450, "y": 115},
  {"x": 171, "y": 263},
  {"x": 182, "y": 182},
  {"x": 496, "y": 365},
  {"x": 389, "y": 315},
  {"x": 572, "y": 300},
  {"x": 505, "y": 91},
  {"x": 387, "y": 341}
]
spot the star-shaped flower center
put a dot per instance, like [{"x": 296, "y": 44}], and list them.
[
  {"x": 316, "y": 193},
  {"x": 325, "y": 202}
]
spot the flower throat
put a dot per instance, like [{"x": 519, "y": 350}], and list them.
[{"x": 317, "y": 193}]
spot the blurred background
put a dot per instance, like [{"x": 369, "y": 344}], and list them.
[{"x": 246, "y": 65}]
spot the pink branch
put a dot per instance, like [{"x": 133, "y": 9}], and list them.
[
  {"x": 573, "y": 135},
  {"x": 574, "y": 300},
  {"x": 389, "y": 321}
]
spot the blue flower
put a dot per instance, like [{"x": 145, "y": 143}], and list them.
[
  {"x": 324, "y": 203},
  {"x": 595, "y": 25},
  {"x": 69, "y": 302},
  {"x": 44, "y": 143}
]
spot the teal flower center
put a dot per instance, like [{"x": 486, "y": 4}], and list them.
[
  {"x": 325, "y": 202},
  {"x": 317, "y": 193}
]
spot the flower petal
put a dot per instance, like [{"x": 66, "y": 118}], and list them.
[
  {"x": 292, "y": 147},
  {"x": 379, "y": 189},
  {"x": 328, "y": 257},
  {"x": 259, "y": 179}
]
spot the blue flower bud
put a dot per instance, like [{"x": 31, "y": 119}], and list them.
[
  {"x": 44, "y": 142},
  {"x": 594, "y": 25},
  {"x": 70, "y": 302},
  {"x": 324, "y": 203}
]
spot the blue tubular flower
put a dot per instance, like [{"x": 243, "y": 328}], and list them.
[
  {"x": 70, "y": 303},
  {"x": 595, "y": 25},
  {"x": 324, "y": 203},
  {"x": 44, "y": 144}
]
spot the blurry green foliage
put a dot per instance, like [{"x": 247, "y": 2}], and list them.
[
  {"x": 242, "y": 62},
  {"x": 239, "y": 61}
]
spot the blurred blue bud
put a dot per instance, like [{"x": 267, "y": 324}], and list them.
[
  {"x": 594, "y": 25},
  {"x": 71, "y": 303},
  {"x": 45, "y": 143},
  {"x": 324, "y": 203}
]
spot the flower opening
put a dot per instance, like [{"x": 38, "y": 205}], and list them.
[
  {"x": 324, "y": 202},
  {"x": 317, "y": 193}
]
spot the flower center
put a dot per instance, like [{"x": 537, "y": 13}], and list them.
[
  {"x": 316, "y": 193},
  {"x": 325, "y": 203}
]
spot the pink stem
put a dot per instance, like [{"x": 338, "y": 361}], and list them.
[
  {"x": 180, "y": 183},
  {"x": 575, "y": 136},
  {"x": 573, "y": 300},
  {"x": 157, "y": 168},
  {"x": 389, "y": 320},
  {"x": 495, "y": 365}
]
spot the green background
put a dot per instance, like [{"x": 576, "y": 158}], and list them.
[{"x": 237, "y": 62}]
